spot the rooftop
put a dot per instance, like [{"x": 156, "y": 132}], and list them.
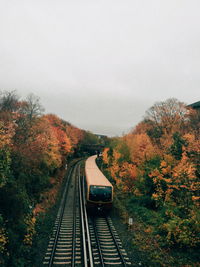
[{"x": 195, "y": 105}]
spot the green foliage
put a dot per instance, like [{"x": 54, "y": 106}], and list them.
[
  {"x": 90, "y": 138},
  {"x": 34, "y": 180},
  {"x": 35, "y": 183},
  {"x": 143, "y": 201},
  {"x": 155, "y": 132},
  {"x": 89, "y": 145},
  {"x": 14, "y": 201},
  {"x": 140, "y": 207},
  {"x": 14, "y": 205},
  {"x": 181, "y": 231},
  {"x": 124, "y": 151},
  {"x": 145, "y": 183},
  {"x": 119, "y": 145},
  {"x": 176, "y": 148},
  {"x": 5, "y": 162},
  {"x": 9, "y": 101},
  {"x": 114, "y": 142}
]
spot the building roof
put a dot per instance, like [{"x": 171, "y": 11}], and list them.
[{"x": 195, "y": 105}]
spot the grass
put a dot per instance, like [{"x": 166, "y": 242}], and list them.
[{"x": 147, "y": 240}]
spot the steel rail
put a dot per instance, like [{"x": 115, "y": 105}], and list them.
[
  {"x": 98, "y": 243},
  {"x": 116, "y": 243},
  {"x": 62, "y": 205},
  {"x": 83, "y": 225},
  {"x": 74, "y": 226},
  {"x": 91, "y": 262}
]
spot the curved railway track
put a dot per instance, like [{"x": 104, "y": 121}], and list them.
[{"x": 79, "y": 239}]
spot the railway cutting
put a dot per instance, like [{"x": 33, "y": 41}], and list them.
[{"x": 79, "y": 238}]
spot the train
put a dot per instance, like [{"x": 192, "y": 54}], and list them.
[{"x": 99, "y": 191}]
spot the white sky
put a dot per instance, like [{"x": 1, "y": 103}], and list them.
[{"x": 101, "y": 64}]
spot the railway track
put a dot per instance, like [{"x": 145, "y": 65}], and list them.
[
  {"x": 79, "y": 239},
  {"x": 106, "y": 245},
  {"x": 64, "y": 248}
]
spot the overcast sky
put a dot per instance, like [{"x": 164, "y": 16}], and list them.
[{"x": 101, "y": 64}]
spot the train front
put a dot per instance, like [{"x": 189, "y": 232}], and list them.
[{"x": 100, "y": 198}]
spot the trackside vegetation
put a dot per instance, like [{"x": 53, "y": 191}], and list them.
[
  {"x": 34, "y": 150},
  {"x": 156, "y": 172}
]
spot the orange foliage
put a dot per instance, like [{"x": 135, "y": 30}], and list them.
[
  {"x": 59, "y": 131},
  {"x": 184, "y": 170},
  {"x": 54, "y": 120},
  {"x": 193, "y": 142},
  {"x": 166, "y": 141},
  {"x": 128, "y": 174},
  {"x": 114, "y": 169},
  {"x": 141, "y": 148},
  {"x": 63, "y": 140},
  {"x": 7, "y": 131},
  {"x": 42, "y": 144},
  {"x": 176, "y": 177},
  {"x": 116, "y": 155},
  {"x": 141, "y": 128},
  {"x": 74, "y": 134},
  {"x": 105, "y": 155},
  {"x": 161, "y": 162}
]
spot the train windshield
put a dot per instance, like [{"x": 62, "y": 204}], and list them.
[{"x": 100, "y": 193}]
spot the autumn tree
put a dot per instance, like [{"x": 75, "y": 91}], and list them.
[
  {"x": 75, "y": 134},
  {"x": 193, "y": 122},
  {"x": 140, "y": 146},
  {"x": 162, "y": 169},
  {"x": 169, "y": 115},
  {"x": 6, "y": 133},
  {"x": 59, "y": 129}
]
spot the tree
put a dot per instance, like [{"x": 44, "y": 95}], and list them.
[
  {"x": 6, "y": 133},
  {"x": 169, "y": 114},
  {"x": 75, "y": 134},
  {"x": 33, "y": 147},
  {"x": 32, "y": 107},
  {"x": 9, "y": 101},
  {"x": 141, "y": 147},
  {"x": 193, "y": 121},
  {"x": 59, "y": 129},
  {"x": 176, "y": 148}
]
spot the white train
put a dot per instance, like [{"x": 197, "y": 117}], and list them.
[{"x": 99, "y": 191}]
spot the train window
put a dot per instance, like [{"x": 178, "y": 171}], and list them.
[{"x": 100, "y": 193}]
